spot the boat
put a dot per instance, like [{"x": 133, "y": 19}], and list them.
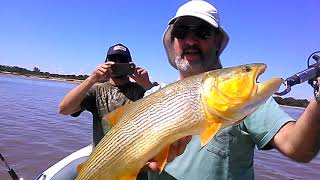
[{"x": 66, "y": 168}]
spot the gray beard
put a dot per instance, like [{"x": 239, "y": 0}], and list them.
[{"x": 184, "y": 66}]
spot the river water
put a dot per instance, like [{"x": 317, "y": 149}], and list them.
[{"x": 34, "y": 135}]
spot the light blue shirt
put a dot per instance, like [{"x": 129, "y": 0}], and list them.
[{"x": 229, "y": 155}]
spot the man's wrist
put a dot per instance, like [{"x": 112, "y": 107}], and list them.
[{"x": 150, "y": 85}]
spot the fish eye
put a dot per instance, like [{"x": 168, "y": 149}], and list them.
[{"x": 247, "y": 68}]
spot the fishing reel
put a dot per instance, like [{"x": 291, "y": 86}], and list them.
[{"x": 310, "y": 74}]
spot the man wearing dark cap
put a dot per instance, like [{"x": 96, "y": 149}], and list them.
[{"x": 115, "y": 91}]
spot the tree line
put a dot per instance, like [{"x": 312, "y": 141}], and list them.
[
  {"x": 291, "y": 101},
  {"x": 37, "y": 72}
]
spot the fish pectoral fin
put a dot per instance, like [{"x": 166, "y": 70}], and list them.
[
  {"x": 80, "y": 167},
  {"x": 208, "y": 134},
  {"x": 162, "y": 157},
  {"x": 113, "y": 117},
  {"x": 128, "y": 177}
]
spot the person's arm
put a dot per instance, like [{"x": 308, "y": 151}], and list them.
[
  {"x": 71, "y": 102},
  {"x": 300, "y": 140}
]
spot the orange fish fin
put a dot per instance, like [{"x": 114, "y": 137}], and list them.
[
  {"x": 113, "y": 117},
  {"x": 80, "y": 167},
  {"x": 208, "y": 134},
  {"x": 128, "y": 177},
  {"x": 162, "y": 157}
]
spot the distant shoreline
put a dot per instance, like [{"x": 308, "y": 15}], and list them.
[
  {"x": 41, "y": 77},
  {"x": 293, "y": 107}
]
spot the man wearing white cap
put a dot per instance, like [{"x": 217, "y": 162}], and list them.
[{"x": 194, "y": 40}]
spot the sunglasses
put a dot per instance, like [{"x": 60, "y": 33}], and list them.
[
  {"x": 117, "y": 58},
  {"x": 202, "y": 32}
]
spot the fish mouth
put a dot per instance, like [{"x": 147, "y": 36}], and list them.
[
  {"x": 261, "y": 70},
  {"x": 268, "y": 87}
]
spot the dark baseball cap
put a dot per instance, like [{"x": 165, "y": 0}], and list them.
[{"x": 119, "y": 52}]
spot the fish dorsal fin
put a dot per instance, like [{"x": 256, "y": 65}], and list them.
[
  {"x": 162, "y": 157},
  {"x": 209, "y": 132},
  {"x": 113, "y": 117},
  {"x": 80, "y": 167}
]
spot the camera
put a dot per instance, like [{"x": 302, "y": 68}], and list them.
[{"x": 122, "y": 69}]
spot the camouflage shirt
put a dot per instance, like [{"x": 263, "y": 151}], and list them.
[{"x": 103, "y": 98}]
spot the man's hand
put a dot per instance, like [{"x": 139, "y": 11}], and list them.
[
  {"x": 141, "y": 77},
  {"x": 176, "y": 149},
  {"x": 102, "y": 72}
]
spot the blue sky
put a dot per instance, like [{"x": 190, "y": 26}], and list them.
[{"x": 72, "y": 37}]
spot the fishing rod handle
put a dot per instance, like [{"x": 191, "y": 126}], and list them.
[
  {"x": 308, "y": 74},
  {"x": 13, "y": 174}
]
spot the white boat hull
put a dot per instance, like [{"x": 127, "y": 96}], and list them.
[{"x": 66, "y": 168}]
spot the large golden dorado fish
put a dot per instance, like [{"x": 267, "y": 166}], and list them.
[{"x": 201, "y": 104}]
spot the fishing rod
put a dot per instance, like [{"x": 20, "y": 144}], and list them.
[
  {"x": 310, "y": 74},
  {"x": 11, "y": 172}
]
